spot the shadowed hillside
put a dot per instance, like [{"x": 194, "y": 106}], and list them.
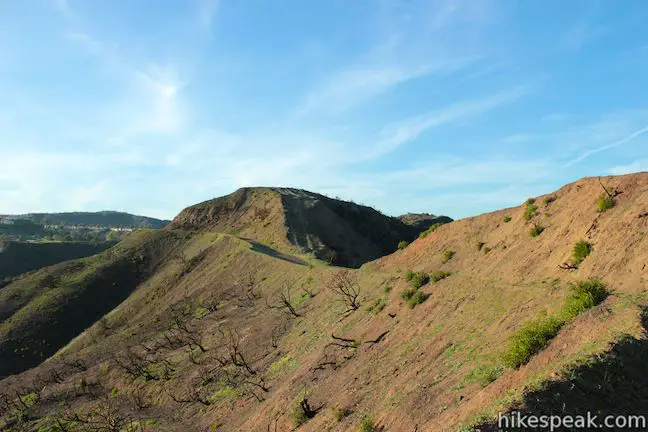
[{"x": 229, "y": 326}]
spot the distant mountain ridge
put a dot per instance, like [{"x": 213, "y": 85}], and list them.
[{"x": 109, "y": 219}]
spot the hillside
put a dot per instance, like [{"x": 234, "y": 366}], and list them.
[
  {"x": 340, "y": 232},
  {"x": 22, "y": 257},
  {"x": 108, "y": 219},
  {"x": 225, "y": 321}
]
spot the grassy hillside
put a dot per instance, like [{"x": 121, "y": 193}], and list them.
[
  {"x": 110, "y": 219},
  {"x": 537, "y": 308}
]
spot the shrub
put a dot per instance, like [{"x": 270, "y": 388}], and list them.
[
  {"x": 507, "y": 219},
  {"x": 403, "y": 244},
  {"x": 581, "y": 250},
  {"x": 605, "y": 202},
  {"x": 583, "y": 296},
  {"x": 409, "y": 275},
  {"x": 530, "y": 339},
  {"x": 530, "y": 201},
  {"x": 419, "y": 279},
  {"x": 388, "y": 289},
  {"x": 530, "y": 211},
  {"x": 302, "y": 412},
  {"x": 549, "y": 199},
  {"x": 448, "y": 255},
  {"x": 480, "y": 245},
  {"x": 484, "y": 374},
  {"x": 439, "y": 275},
  {"x": 536, "y": 230},
  {"x": 367, "y": 424},
  {"x": 413, "y": 297}
]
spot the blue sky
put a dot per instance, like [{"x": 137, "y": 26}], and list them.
[{"x": 452, "y": 107}]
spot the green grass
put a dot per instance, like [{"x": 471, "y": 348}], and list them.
[
  {"x": 530, "y": 339},
  {"x": 508, "y": 219},
  {"x": 377, "y": 306},
  {"x": 413, "y": 297},
  {"x": 448, "y": 255},
  {"x": 604, "y": 202},
  {"x": 581, "y": 250},
  {"x": 530, "y": 210},
  {"x": 536, "y": 230},
  {"x": 584, "y": 295},
  {"x": 484, "y": 374},
  {"x": 439, "y": 275},
  {"x": 403, "y": 244}
]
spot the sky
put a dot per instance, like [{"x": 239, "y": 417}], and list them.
[{"x": 446, "y": 107}]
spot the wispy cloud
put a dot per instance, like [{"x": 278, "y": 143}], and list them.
[
  {"x": 637, "y": 166},
  {"x": 398, "y": 134},
  {"x": 617, "y": 143}
]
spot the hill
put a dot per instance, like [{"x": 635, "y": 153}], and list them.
[
  {"x": 423, "y": 221},
  {"x": 107, "y": 219},
  {"x": 220, "y": 322},
  {"x": 340, "y": 232},
  {"x": 22, "y": 257}
]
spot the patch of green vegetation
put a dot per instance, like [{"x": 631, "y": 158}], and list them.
[
  {"x": 377, "y": 306},
  {"x": 430, "y": 230},
  {"x": 530, "y": 339},
  {"x": 581, "y": 250},
  {"x": 224, "y": 394},
  {"x": 403, "y": 244},
  {"x": 604, "y": 203},
  {"x": 301, "y": 412},
  {"x": 507, "y": 219},
  {"x": 409, "y": 275},
  {"x": 549, "y": 199},
  {"x": 534, "y": 335},
  {"x": 367, "y": 424},
  {"x": 484, "y": 374},
  {"x": 487, "y": 249},
  {"x": 480, "y": 245},
  {"x": 282, "y": 366},
  {"x": 530, "y": 210},
  {"x": 583, "y": 296},
  {"x": 419, "y": 279},
  {"x": 536, "y": 230},
  {"x": 448, "y": 255},
  {"x": 200, "y": 312},
  {"x": 530, "y": 201},
  {"x": 388, "y": 289},
  {"x": 439, "y": 275},
  {"x": 413, "y": 297}
]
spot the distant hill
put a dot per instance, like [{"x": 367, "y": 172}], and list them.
[
  {"x": 109, "y": 219},
  {"x": 423, "y": 221},
  {"x": 341, "y": 232}
]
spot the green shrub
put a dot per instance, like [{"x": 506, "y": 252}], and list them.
[
  {"x": 581, "y": 250},
  {"x": 487, "y": 249},
  {"x": 605, "y": 202},
  {"x": 507, "y": 219},
  {"x": 583, "y": 296},
  {"x": 431, "y": 229},
  {"x": 409, "y": 275},
  {"x": 367, "y": 424},
  {"x": 301, "y": 412},
  {"x": 549, "y": 199},
  {"x": 388, "y": 289},
  {"x": 439, "y": 275},
  {"x": 484, "y": 374},
  {"x": 530, "y": 201},
  {"x": 530, "y": 339},
  {"x": 530, "y": 211},
  {"x": 448, "y": 255},
  {"x": 480, "y": 245},
  {"x": 419, "y": 279},
  {"x": 536, "y": 230},
  {"x": 403, "y": 244},
  {"x": 416, "y": 299}
]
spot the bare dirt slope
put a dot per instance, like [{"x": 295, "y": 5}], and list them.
[
  {"x": 340, "y": 232},
  {"x": 228, "y": 334}
]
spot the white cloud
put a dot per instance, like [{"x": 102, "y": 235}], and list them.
[
  {"x": 637, "y": 166},
  {"x": 624, "y": 140}
]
